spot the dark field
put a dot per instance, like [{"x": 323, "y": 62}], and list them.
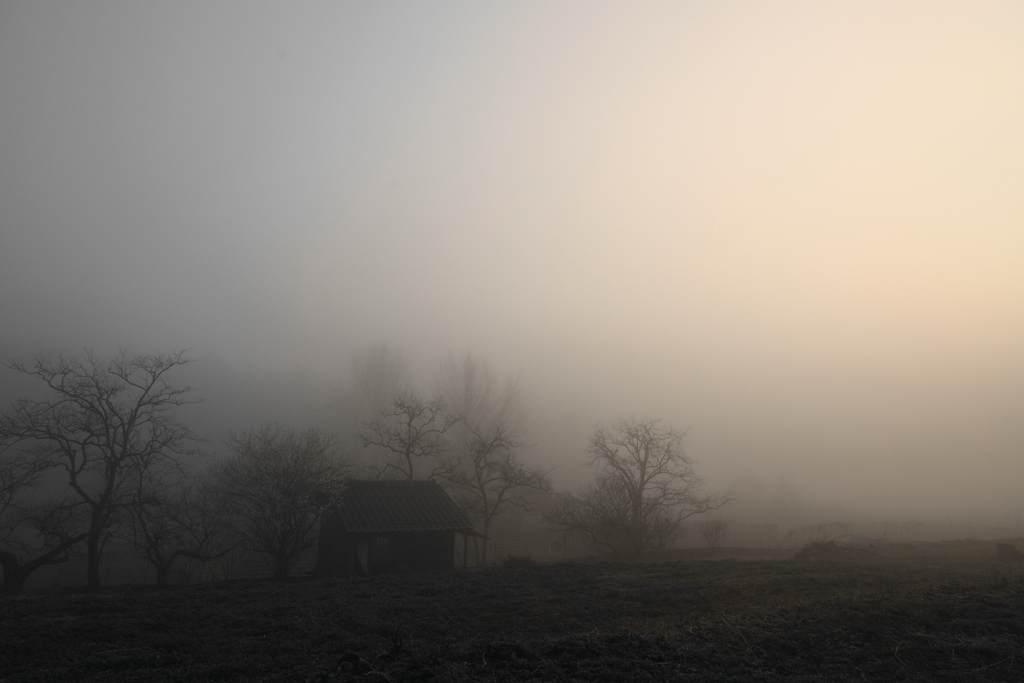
[{"x": 946, "y": 611}]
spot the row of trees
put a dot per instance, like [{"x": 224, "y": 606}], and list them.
[
  {"x": 104, "y": 434},
  {"x": 469, "y": 435},
  {"x": 103, "y": 455},
  {"x": 107, "y": 444}
]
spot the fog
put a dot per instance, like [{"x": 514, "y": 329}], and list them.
[{"x": 794, "y": 229}]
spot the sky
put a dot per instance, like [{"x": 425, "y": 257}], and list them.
[{"x": 795, "y": 229}]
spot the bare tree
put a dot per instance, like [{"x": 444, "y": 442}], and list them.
[
  {"x": 410, "y": 429},
  {"x": 645, "y": 487},
  {"x": 601, "y": 512},
  {"x": 713, "y": 530},
  {"x": 178, "y": 520},
  {"x": 483, "y": 466},
  {"x": 275, "y": 487},
  {"x": 104, "y": 425},
  {"x": 491, "y": 478},
  {"x": 379, "y": 373},
  {"x": 32, "y": 535},
  {"x": 477, "y": 396}
]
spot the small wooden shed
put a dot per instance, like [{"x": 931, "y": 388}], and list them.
[{"x": 382, "y": 525}]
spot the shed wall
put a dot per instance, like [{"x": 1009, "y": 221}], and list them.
[{"x": 420, "y": 550}]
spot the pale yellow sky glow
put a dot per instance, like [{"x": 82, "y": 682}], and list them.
[{"x": 795, "y": 227}]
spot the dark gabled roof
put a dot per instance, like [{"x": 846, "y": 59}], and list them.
[{"x": 390, "y": 506}]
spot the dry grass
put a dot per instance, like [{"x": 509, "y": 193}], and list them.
[{"x": 922, "y": 612}]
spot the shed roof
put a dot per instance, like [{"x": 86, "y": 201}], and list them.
[{"x": 390, "y": 506}]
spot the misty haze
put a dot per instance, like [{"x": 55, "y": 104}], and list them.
[{"x": 645, "y": 305}]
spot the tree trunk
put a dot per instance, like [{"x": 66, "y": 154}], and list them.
[
  {"x": 16, "y": 573},
  {"x": 483, "y": 543},
  {"x": 93, "y": 549},
  {"x": 638, "y": 530},
  {"x": 14, "y": 580},
  {"x": 14, "y": 584},
  {"x": 162, "y": 572},
  {"x": 281, "y": 563}
]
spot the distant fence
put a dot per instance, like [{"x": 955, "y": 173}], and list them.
[
  {"x": 122, "y": 565},
  {"x": 735, "y": 535},
  {"x": 544, "y": 545},
  {"x": 894, "y": 532}
]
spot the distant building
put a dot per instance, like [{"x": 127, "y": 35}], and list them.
[{"x": 382, "y": 525}]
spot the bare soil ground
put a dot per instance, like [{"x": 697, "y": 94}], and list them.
[{"x": 937, "y": 612}]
